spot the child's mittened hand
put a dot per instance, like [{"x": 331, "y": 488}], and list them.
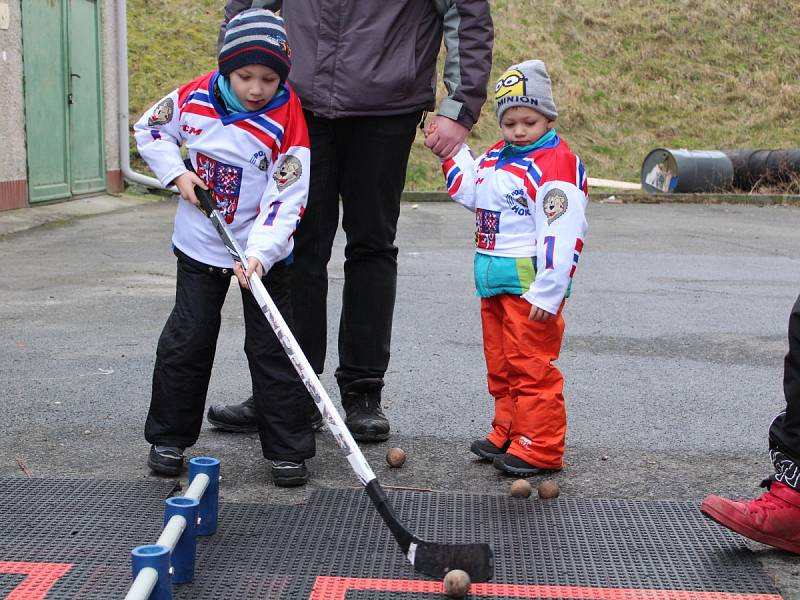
[
  {"x": 185, "y": 184},
  {"x": 539, "y": 314}
]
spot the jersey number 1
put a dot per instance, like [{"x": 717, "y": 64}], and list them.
[
  {"x": 273, "y": 213},
  {"x": 549, "y": 247}
]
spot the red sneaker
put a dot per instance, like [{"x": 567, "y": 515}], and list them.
[{"x": 772, "y": 519}]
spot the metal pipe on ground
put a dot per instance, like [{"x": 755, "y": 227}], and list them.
[
  {"x": 770, "y": 167},
  {"x": 667, "y": 171}
]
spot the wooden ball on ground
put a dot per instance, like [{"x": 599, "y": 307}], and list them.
[
  {"x": 456, "y": 583},
  {"x": 548, "y": 489},
  {"x": 521, "y": 488},
  {"x": 395, "y": 457}
]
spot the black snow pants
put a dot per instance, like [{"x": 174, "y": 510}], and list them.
[{"x": 185, "y": 356}]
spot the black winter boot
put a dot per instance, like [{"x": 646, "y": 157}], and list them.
[
  {"x": 361, "y": 400},
  {"x": 241, "y": 418},
  {"x": 487, "y": 450},
  {"x": 234, "y": 417}
]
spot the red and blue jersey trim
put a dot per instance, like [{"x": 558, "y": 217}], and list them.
[
  {"x": 453, "y": 176},
  {"x": 198, "y": 103},
  {"x": 576, "y": 256},
  {"x": 491, "y": 156},
  {"x": 581, "y": 180}
]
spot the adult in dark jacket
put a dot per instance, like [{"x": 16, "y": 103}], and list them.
[
  {"x": 365, "y": 73},
  {"x": 774, "y": 517}
]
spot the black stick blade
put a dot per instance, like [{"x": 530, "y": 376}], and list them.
[
  {"x": 431, "y": 558},
  {"x": 436, "y": 560}
]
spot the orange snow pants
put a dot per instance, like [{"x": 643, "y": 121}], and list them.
[{"x": 527, "y": 387}]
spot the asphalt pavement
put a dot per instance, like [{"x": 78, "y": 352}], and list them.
[{"x": 673, "y": 354}]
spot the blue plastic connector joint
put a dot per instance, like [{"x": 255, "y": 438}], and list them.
[
  {"x": 156, "y": 557},
  {"x": 209, "y": 503},
  {"x": 185, "y": 549}
]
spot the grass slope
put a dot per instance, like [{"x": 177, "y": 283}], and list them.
[{"x": 628, "y": 76}]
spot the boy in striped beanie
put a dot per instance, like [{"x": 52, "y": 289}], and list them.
[{"x": 247, "y": 141}]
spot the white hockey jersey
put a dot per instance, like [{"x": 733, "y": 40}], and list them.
[
  {"x": 256, "y": 166},
  {"x": 526, "y": 205}
]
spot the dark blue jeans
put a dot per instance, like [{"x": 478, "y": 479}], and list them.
[
  {"x": 784, "y": 434},
  {"x": 363, "y": 160}
]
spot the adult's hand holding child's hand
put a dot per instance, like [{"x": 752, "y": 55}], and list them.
[
  {"x": 185, "y": 184},
  {"x": 444, "y": 136}
]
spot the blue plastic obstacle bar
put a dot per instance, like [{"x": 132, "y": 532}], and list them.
[{"x": 171, "y": 559}]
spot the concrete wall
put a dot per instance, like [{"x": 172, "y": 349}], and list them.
[
  {"x": 13, "y": 186},
  {"x": 13, "y": 160}
]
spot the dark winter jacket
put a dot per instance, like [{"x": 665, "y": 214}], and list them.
[{"x": 378, "y": 57}]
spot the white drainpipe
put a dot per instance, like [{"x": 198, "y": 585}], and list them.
[{"x": 124, "y": 127}]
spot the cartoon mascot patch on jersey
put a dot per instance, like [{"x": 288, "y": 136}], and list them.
[
  {"x": 162, "y": 114},
  {"x": 287, "y": 172},
  {"x": 555, "y": 204}
]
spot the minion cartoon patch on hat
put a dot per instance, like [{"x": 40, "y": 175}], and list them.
[{"x": 512, "y": 83}]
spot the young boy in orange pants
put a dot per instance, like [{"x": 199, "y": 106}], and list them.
[{"x": 529, "y": 195}]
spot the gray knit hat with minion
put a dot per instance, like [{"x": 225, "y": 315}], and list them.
[
  {"x": 255, "y": 37},
  {"x": 525, "y": 84}
]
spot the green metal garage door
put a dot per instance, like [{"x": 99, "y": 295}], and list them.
[{"x": 63, "y": 98}]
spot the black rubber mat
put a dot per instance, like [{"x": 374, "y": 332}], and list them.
[
  {"x": 569, "y": 544},
  {"x": 75, "y": 534},
  {"x": 335, "y": 547}
]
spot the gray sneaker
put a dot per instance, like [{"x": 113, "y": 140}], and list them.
[
  {"x": 286, "y": 473},
  {"x": 167, "y": 460}
]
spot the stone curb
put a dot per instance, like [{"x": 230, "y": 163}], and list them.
[
  {"x": 22, "y": 219},
  {"x": 55, "y": 213},
  {"x": 645, "y": 198}
]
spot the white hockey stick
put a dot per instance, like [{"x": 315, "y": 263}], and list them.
[{"x": 429, "y": 558}]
